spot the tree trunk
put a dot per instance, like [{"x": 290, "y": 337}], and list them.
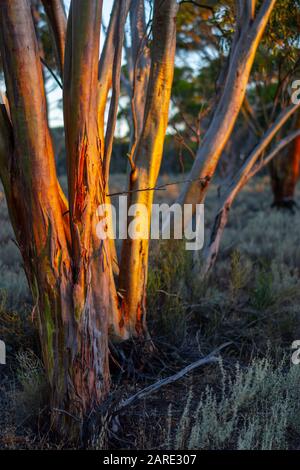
[
  {"x": 67, "y": 267},
  {"x": 147, "y": 158},
  {"x": 249, "y": 30},
  {"x": 284, "y": 172}
]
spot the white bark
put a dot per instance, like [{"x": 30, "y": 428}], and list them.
[{"x": 227, "y": 111}]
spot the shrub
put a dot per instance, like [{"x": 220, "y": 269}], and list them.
[{"x": 255, "y": 409}]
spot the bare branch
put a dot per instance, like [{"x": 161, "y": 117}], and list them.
[
  {"x": 161, "y": 187},
  {"x": 57, "y": 19},
  {"x": 209, "y": 359},
  {"x": 116, "y": 85},
  {"x": 140, "y": 60},
  {"x": 278, "y": 147},
  {"x": 51, "y": 72},
  {"x": 243, "y": 176},
  {"x": 105, "y": 71}
]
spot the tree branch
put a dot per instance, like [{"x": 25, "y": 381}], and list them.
[
  {"x": 229, "y": 105},
  {"x": 57, "y": 20},
  {"x": 105, "y": 71},
  {"x": 116, "y": 79},
  {"x": 148, "y": 155},
  {"x": 243, "y": 176}
]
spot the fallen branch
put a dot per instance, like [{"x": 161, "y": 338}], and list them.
[{"x": 173, "y": 378}]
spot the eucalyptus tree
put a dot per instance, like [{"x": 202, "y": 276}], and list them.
[{"x": 77, "y": 297}]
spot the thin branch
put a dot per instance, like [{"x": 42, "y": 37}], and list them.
[
  {"x": 57, "y": 20},
  {"x": 199, "y": 5},
  {"x": 158, "y": 188},
  {"x": 243, "y": 176},
  {"x": 278, "y": 147},
  {"x": 51, "y": 72}
]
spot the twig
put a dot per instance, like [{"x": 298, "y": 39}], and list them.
[
  {"x": 66, "y": 413},
  {"x": 207, "y": 7},
  {"x": 51, "y": 72},
  {"x": 158, "y": 188},
  {"x": 173, "y": 378}
]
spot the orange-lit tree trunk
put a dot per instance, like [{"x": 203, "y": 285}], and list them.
[
  {"x": 285, "y": 174},
  {"x": 147, "y": 159},
  {"x": 66, "y": 266},
  {"x": 77, "y": 298}
]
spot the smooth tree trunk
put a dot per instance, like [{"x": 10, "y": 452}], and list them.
[
  {"x": 147, "y": 159},
  {"x": 249, "y": 30}
]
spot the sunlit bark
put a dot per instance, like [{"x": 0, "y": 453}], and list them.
[
  {"x": 35, "y": 201},
  {"x": 250, "y": 28},
  {"x": 67, "y": 267},
  {"x": 148, "y": 154},
  {"x": 91, "y": 262}
]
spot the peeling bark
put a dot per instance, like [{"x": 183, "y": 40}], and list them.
[
  {"x": 90, "y": 256},
  {"x": 67, "y": 267}
]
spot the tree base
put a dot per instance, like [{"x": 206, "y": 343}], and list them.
[{"x": 287, "y": 204}]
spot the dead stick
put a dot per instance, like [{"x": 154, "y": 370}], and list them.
[{"x": 161, "y": 383}]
